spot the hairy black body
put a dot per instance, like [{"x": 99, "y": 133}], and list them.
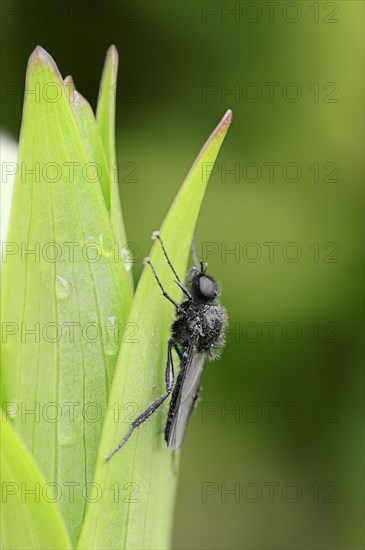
[
  {"x": 197, "y": 333},
  {"x": 205, "y": 323}
]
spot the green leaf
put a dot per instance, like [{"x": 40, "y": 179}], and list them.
[
  {"x": 29, "y": 515},
  {"x": 136, "y": 506},
  {"x": 90, "y": 133},
  {"x": 62, "y": 303},
  {"x": 105, "y": 117}
]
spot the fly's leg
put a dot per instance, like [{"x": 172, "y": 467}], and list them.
[
  {"x": 148, "y": 261},
  {"x": 156, "y": 235},
  {"x": 169, "y": 382}
]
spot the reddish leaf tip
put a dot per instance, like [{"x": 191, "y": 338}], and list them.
[
  {"x": 42, "y": 57},
  {"x": 227, "y": 119}
]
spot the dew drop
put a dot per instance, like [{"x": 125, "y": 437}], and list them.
[
  {"x": 125, "y": 255},
  {"x": 63, "y": 288},
  {"x": 111, "y": 345}
]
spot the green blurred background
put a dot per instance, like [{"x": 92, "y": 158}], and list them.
[{"x": 285, "y": 469}]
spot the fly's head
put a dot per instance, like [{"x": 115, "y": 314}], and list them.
[{"x": 202, "y": 286}]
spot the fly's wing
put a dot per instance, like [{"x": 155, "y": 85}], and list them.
[{"x": 183, "y": 404}]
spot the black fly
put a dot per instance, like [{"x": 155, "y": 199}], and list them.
[{"x": 197, "y": 334}]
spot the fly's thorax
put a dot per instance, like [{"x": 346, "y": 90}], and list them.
[{"x": 202, "y": 322}]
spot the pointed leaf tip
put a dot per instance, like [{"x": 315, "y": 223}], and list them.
[
  {"x": 113, "y": 52},
  {"x": 69, "y": 79},
  {"x": 228, "y": 116},
  {"x": 221, "y": 127},
  {"x": 217, "y": 135},
  {"x": 224, "y": 123},
  {"x": 41, "y": 56}
]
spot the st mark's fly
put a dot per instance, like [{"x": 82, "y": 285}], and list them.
[{"x": 197, "y": 334}]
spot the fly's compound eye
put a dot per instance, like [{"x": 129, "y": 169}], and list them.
[{"x": 208, "y": 288}]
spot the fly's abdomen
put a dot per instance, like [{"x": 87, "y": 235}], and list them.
[{"x": 212, "y": 337}]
